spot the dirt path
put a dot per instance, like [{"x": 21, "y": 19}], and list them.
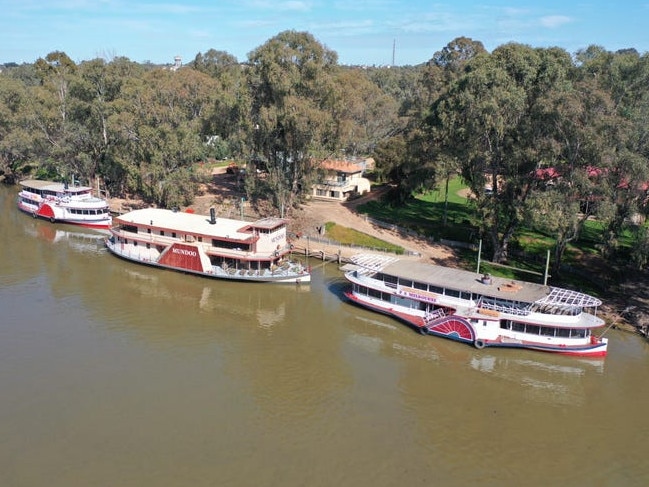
[
  {"x": 224, "y": 195},
  {"x": 316, "y": 213}
]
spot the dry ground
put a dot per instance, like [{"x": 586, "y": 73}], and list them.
[{"x": 223, "y": 192}]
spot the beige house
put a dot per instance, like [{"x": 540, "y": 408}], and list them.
[{"x": 341, "y": 180}]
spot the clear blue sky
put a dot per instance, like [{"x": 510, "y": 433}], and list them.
[{"x": 360, "y": 31}]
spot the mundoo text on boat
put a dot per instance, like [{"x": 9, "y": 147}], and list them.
[
  {"x": 477, "y": 309},
  {"x": 209, "y": 246},
  {"x": 60, "y": 202}
]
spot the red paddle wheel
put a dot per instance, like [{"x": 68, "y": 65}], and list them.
[
  {"x": 46, "y": 211},
  {"x": 453, "y": 327}
]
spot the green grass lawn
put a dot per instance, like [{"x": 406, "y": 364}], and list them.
[
  {"x": 424, "y": 214},
  {"x": 349, "y": 236}
]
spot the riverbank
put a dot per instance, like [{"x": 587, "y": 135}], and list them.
[{"x": 224, "y": 194}]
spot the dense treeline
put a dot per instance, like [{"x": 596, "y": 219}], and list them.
[{"x": 543, "y": 138}]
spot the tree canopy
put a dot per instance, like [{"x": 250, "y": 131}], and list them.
[{"x": 541, "y": 137}]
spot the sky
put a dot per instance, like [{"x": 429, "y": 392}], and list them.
[{"x": 361, "y": 32}]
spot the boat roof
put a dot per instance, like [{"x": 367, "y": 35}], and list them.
[
  {"x": 462, "y": 280},
  {"x": 51, "y": 185},
  {"x": 197, "y": 224}
]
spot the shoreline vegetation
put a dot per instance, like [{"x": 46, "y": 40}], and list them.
[
  {"x": 550, "y": 152},
  {"x": 314, "y": 215}
]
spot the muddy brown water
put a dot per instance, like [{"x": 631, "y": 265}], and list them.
[{"x": 116, "y": 374}]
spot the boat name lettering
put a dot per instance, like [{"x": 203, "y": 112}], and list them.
[
  {"x": 421, "y": 297},
  {"x": 176, "y": 250},
  {"x": 278, "y": 238}
]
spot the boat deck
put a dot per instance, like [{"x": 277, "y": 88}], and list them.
[{"x": 472, "y": 282}]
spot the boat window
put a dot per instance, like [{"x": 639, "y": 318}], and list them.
[
  {"x": 405, "y": 282},
  {"x": 162, "y": 233},
  {"x": 506, "y": 324},
  {"x": 173, "y": 234},
  {"x": 374, "y": 293},
  {"x": 389, "y": 279},
  {"x": 129, "y": 228},
  {"x": 435, "y": 289},
  {"x": 200, "y": 239},
  {"x": 532, "y": 329},
  {"x": 453, "y": 293},
  {"x": 148, "y": 230},
  {"x": 518, "y": 326},
  {"x": 421, "y": 285},
  {"x": 148, "y": 245},
  {"x": 577, "y": 333},
  {"x": 547, "y": 331},
  {"x": 563, "y": 332}
]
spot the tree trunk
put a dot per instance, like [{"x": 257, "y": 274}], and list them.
[{"x": 446, "y": 201}]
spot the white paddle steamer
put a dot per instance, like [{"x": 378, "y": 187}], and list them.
[
  {"x": 478, "y": 309},
  {"x": 222, "y": 248},
  {"x": 59, "y": 202}
]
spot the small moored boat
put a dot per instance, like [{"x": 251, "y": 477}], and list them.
[
  {"x": 59, "y": 202},
  {"x": 481, "y": 310},
  {"x": 221, "y": 248}
]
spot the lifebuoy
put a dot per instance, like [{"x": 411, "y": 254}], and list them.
[{"x": 479, "y": 344}]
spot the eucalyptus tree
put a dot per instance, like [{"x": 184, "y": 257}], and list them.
[
  {"x": 489, "y": 121},
  {"x": 225, "y": 120},
  {"x": 623, "y": 76},
  {"x": 292, "y": 121},
  {"x": 94, "y": 92},
  {"x": 214, "y": 62},
  {"x": 15, "y": 129},
  {"x": 366, "y": 114},
  {"x": 50, "y": 102},
  {"x": 157, "y": 126},
  {"x": 439, "y": 74}
]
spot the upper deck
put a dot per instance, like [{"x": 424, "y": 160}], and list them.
[
  {"x": 413, "y": 272},
  {"x": 52, "y": 187},
  {"x": 191, "y": 223}
]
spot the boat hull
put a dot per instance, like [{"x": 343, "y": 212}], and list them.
[
  {"x": 459, "y": 329},
  {"x": 189, "y": 266},
  {"x": 57, "y": 213}
]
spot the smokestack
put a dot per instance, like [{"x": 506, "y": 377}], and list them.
[{"x": 212, "y": 216}]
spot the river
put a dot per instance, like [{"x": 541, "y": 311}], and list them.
[{"x": 117, "y": 374}]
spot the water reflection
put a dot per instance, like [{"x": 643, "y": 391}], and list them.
[
  {"x": 548, "y": 379},
  {"x": 229, "y": 301},
  {"x": 182, "y": 380},
  {"x": 77, "y": 238},
  {"x": 539, "y": 377}
]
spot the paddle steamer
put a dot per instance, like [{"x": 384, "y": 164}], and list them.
[
  {"x": 208, "y": 246},
  {"x": 478, "y": 309},
  {"x": 60, "y": 202}
]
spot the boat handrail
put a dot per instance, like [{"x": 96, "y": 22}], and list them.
[
  {"x": 512, "y": 310},
  {"x": 433, "y": 315}
]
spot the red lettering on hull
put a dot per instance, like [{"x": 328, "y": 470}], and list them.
[{"x": 181, "y": 256}]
